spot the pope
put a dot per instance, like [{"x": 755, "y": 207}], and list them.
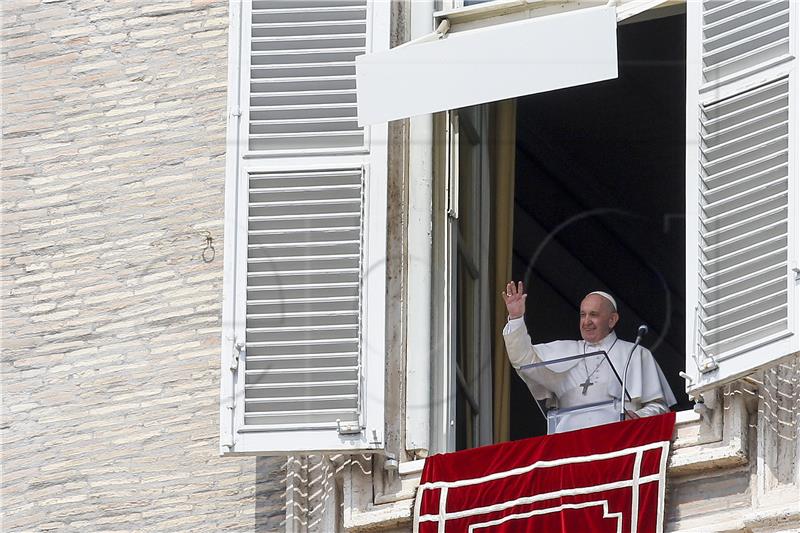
[{"x": 590, "y": 380}]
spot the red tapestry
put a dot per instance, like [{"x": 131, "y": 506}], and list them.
[{"x": 605, "y": 479}]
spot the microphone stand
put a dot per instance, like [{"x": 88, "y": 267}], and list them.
[{"x": 641, "y": 333}]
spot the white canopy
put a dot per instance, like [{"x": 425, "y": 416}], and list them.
[{"x": 488, "y": 64}]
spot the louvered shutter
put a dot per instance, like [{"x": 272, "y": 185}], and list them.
[
  {"x": 303, "y": 328},
  {"x": 742, "y": 286}
]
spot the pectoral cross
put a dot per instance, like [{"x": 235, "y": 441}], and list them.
[{"x": 586, "y": 384}]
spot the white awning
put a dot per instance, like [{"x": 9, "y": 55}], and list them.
[{"x": 488, "y": 64}]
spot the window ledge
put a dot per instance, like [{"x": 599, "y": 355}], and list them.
[
  {"x": 379, "y": 517},
  {"x": 697, "y": 459},
  {"x": 389, "y": 510}
]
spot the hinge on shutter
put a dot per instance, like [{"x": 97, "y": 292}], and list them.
[
  {"x": 238, "y": 348},
  {"x": 352, "y": 428},
  {"x": 709, "y": 364},
  {"x": 796, "y": 273}
]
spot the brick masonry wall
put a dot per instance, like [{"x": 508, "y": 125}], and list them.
[{"x": 112, "y": 178}]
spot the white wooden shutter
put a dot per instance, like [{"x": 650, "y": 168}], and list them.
[
  {"x": 303, "y": 332},
  {"x": 741, "y": 187},
  {"x": 487, "y": 64}
]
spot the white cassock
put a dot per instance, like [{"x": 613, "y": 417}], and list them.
[{"x": 648, "y": 388}]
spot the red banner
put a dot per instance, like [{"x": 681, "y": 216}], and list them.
[{"x": 605, "y": 479}]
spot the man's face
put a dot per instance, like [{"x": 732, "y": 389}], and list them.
[{"x": 597, "y": 318}]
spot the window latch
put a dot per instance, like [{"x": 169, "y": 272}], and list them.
[{"x": 352, "y": 428}]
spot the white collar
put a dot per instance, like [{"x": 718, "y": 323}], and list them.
[{"x": 605, "y": 343}]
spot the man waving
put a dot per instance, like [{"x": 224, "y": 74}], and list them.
[{"x": 589, "y": 380}]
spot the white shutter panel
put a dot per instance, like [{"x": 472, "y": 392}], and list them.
[
  {"x": 302, "y": 74},
  {"x": 303, "y": 332},
  {"x": 741, "y": 188}
]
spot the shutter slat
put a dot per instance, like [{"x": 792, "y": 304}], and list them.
[
  {"x": 712, "y": 14},
  {"x": 742, "y": 241},
  {"x": 721, "y": 262},
  {"x": 299, "y": 94},
  {"x": 733, "y": 272},
  {"x": 293, "y": 358},
  {"x": 763, "y": 275},
  {"x": 303, "y": 300},
  {"x": 317, "y": 329},
  {"x": 741, "y": 330},
  {"x": 293, "y": 39},
  {"x": 255, "y": 124},
  {"x": 307, "y": 67},
  {"x": 317, "y": 418},
  {"x": 735, "y": 314},
  {"x": 768, "y": 118},
  {"x": 258, "y": 260},
  {"x": 714, "y": 193},
  {"x": 749, "y": 28},
  {"x": 308, "y": 4},
  {"x": 287, "y": 122},
  {"x": 309, "y": 272},
  {"x": 304, "y": 343},
  {"x": 320, "y": 134},
  {"x": 307, "y": 286},
  {"x": 768, "y": 288},
  {"x": 303, "y": 372},
  {"x": 308, "y": 51},
  {"x": 267, "y": 405},
  {"x": 729, "y": 210},
  {"x": 278, "y": 390},
  {"x": 747, "y": 45},
  {"x": 748, "y": 228},
  {"x": 308, "y": 230},
  {"x": 715, "y": 347},
  {"x": 753, "y": 316},
  {"x": 310, "y": 24},
  {"x": 734, "y": 12},
  {"x": 304, "y": 202},
  {"x": 282, "y": 245}
]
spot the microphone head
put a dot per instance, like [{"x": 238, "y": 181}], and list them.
[{"x": 642, "y": 331}]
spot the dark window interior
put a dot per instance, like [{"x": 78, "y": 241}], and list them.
[{"x": 600, "y": 199}]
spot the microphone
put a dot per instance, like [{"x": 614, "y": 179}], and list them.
[{"x": 640, "y": 333}]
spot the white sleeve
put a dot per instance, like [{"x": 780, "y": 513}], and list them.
[
  {"x": 656, "y": 407},
  {"x": 513, "y": 325}
]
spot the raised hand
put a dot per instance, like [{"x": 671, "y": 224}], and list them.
[{"x": 514, "y": 297}]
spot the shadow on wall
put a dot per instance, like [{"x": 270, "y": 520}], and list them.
[{"x": 270, "y": 511}]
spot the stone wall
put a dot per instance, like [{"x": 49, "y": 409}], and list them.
[{"x": 112, "y": 182}]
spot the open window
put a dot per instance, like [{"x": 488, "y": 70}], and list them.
[
  {"x": 600, "y": 202},
  {"x": 686, "y": 248}
]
